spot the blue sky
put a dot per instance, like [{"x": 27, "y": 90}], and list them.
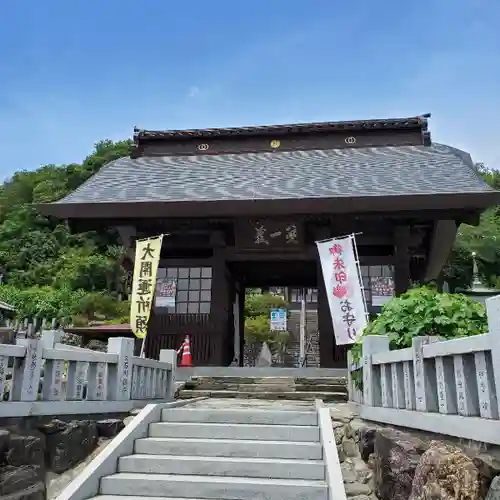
[{"x": 75, "y": 72}]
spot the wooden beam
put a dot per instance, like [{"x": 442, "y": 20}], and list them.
[{"x": 442, "y": 241}]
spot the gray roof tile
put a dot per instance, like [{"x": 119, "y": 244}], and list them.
[{"x": 350, "y": 172}]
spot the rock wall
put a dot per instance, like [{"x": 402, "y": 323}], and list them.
[
  {"x": 28, "y": 453},
  {"x": 393, "y": 464}
]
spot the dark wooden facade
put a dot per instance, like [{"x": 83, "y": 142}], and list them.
[
  {"x": 236, "y": 265},
  {"x": 269, "y": 242}
]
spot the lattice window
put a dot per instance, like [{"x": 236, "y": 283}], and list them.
[
  {"x": 368, "y": 272},
  {"x": 193, "y": 291},
  {"x": 311, "y": 295}
]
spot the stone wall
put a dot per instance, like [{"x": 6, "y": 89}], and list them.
[
  {"x": 30, "y": 449},
  {"x": 393, "y": 464}
]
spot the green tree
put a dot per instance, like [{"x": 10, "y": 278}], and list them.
[
  {"x": 44, "y": 265},
  {"x": 483, "y": 239}
]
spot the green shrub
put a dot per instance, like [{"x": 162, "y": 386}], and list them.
[
  {"x": 259, "y": 305},
  {"x": 77, "y": 306},
  {"x": 257, "y": 331},
  {"x": 424, "y": 311}
]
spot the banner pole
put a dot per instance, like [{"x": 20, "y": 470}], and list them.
[
  {"x": 343, "y": 237},
  {"x": 143, "y": 347},
  {"x": 302, "y": 329},
  {"x": 360, "y": 276}
]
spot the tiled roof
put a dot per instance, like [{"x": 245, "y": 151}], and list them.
[{"x": 336, "y": 173}]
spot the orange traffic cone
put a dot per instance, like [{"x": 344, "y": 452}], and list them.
[{"x": 186, "y": 358}]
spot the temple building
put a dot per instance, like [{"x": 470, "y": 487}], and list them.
[{"x": 243, "y": 207}]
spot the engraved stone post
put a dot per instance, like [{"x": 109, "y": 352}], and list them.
[
  {"x": 96, "y": 385},
  {"x": 169, "y": 356},
  {"x": 142, "y": 382},
  {"x": 488, "y": 407},
  {"x": 27, "y": 375},
  {"x": 386, "y": 385},
  {"x": 424, "y": 373},
  {"x": 53, "y": 380},
  {"x": 398, "y": 389},
  {"x": 52, "y": 388},
  {"x": 120, "y": 375},
  {"x": 493, "y": 311},
  {"x": 77, "y": 371},
  {"x": 447, "y": 397},
  {"x": 4, "y": 363},
  {"x": 465, "y": 378},
  {"x": 372, "y": 344},
  {"x": 135, "y": 382},
  {"x": 409, "y": 385}
]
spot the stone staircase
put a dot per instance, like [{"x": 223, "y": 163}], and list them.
[
  {"x": 230, "y": 454},
  {"x": 292, "y": 354},
  {"x": 329, "y": 389}
]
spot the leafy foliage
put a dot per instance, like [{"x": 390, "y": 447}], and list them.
[
  {"x": 257, "y": 325},
  {"x": 261, "y": 304},
  {"x": 48, "y": 272},
  {"x": 483, "y": 239},
  {"x": 424, "y": 311}
]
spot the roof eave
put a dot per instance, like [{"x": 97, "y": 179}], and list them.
[
  {"x": 221, "y": 208},
  {"x": 419, "y": 121}
]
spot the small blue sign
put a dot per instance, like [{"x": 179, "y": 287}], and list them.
[{"x": 278, "y": 319}]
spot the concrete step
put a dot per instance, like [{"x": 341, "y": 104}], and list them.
[
  {"x": 223, "y": 466},
  {"x": 243, "y": 380},
  {"x": 320, "y": 388},
  {"x": 264, "y": 417},
  {"x": 229, "y": 448},
  {"x": 209, "y": 386},
  {"x": 327, "y": 397},
  {"x": 264, "y": 388},
  {"x": 196, "y": 430},
  {"x": 321, "y": 381},
  {"x": 212, "y": 487}
]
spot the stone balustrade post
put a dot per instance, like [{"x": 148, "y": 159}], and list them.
[
  {"x": 493, "y": 313},
  {"x": 120, "y": 374},
  {"x": 169, "y": 356},
  {"x": 50, "y": 338},
  {"x": 27, "y": 374},
  {"x": 372, "y": 344}
]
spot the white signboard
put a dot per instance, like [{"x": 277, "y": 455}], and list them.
[
  {"x": 278, "y": 320},
  {"x": 343, "y": 288}
]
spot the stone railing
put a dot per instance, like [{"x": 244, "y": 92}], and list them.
[
  {"x": 40, "y": 376},
  {"x": 448, "y": 387}
]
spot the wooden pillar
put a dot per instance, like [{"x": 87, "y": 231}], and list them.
[
  {"x": 220, "y": 300},
  {"x": 241, "y": 298},
  {"x": 401, "y": 259}
]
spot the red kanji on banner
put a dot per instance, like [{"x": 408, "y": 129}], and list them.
[
  {"x": 338, "y": 264},
  {"x": 340, "y": 277},
  {"x": 340, "y": 291},
  {"x": 336, "y": 249}
]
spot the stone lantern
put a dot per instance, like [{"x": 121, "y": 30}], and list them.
[{"x": 478, "y": 291}]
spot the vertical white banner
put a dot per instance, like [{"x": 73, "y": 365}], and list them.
[{"x": 343, "y": 288}]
